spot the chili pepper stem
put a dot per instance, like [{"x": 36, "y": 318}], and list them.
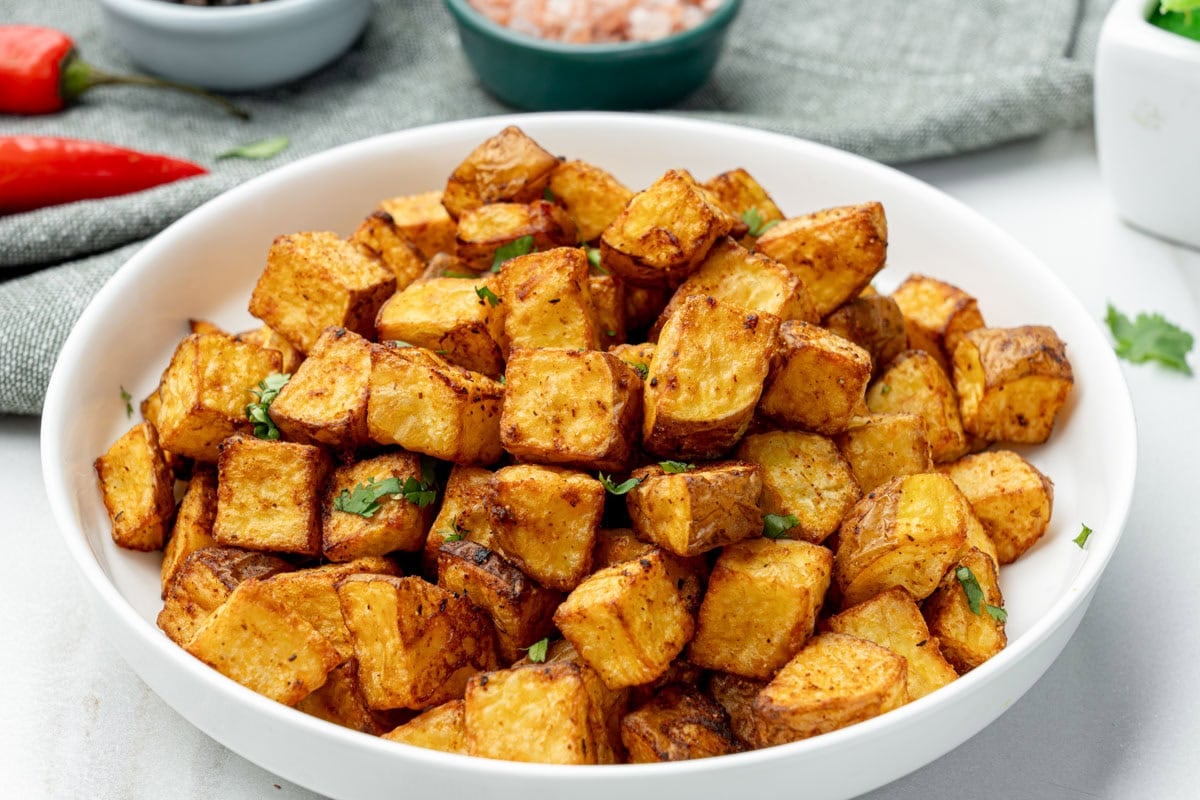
[{"x": 78, "y": 76}]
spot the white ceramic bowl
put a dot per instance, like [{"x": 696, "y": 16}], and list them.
[
  {"x": 206, "y": 264},
  {"x": 235, "y": 48}
]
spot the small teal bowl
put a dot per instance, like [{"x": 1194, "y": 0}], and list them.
[{"x": 542, "y": 75}]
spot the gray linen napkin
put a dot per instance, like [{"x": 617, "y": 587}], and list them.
[{"x": 895, "y": 80}]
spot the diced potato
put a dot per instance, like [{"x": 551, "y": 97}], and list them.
[
  {"x": 448, "y": 316},
  {"x": 547, "y": 300},
  {"x": 484, "y": 230},
  {"x": 193, "y": 524},
  {"x": 805, "y": 476},
  {"x": 266, "y": 338},
  {"x": 968, "y": 638},
  {"x": 891, "y": 619},
  {"x": 873, "y": 323},
  {"x": 448, "y": 265},
  {"x": 426, "y": 405},
  {"x": 703, "y": 508},
  {"x": 637, "y": 356},
  {"x": 1011, "y": 497},
  {"x": 315, "y": 281},
  {"x": 269, "y": 495},
  {"x": 608, "y": 300},
  {"x": 205, "y": 326},
  {"x": 509, "y": 167},
  {"x": 618, "y": 545},
  {"x": 464, "y": 513},
  {"x": 383, "y": 238},
  {"x": 138, "y": 489},
  {"x": 571, "y": 407},
  {"x": 885, "y": 446},
  {"x": 608, "y": 706},
  {"x": 836, "y": 252},
  {"x": 914, "y": 384},
  {"x": 325, "y": 402},
  {"x": 628, "y": 621},
  {"x": 736, "y": 695},
  {"x": 1012, "y": 382},
  {"x": 416, "y": 644},
  {"x": 340, "y": 701},
  {"x": 835, "y": 681},
  {"x": 738, "y": 193},
  {"x": 592, "y": 196},
  {"x": 257, "y": 641},
  {"x": 706, "y": 378},
  {"x": 677, "y": 725},
  {"x": 398, "y": 524},
  {"x": 905, "y": 533},
  {"x": 936, "y": 316},
  {"x": 439, "y": 728},
  {"x": 761, "y": 606},
  {"x": 817, "y": 381},
  {"x": 423, "y": 219},
  {"x": 977, "y": 537}
]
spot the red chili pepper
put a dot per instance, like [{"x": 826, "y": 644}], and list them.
[
  {"x": 37, "y": 171},
  {"x": 41, "y": 73}
]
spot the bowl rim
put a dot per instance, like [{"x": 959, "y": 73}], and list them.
[
  {"x": 58, "y": 410},
  {"x": 188, "y": 18},
  {"x": 468, "y": 16}
]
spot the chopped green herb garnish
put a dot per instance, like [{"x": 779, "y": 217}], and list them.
[
  {"x": 256, "y": 412},
  {"x": 996, "y": 612},
  {"x": 971, "y": 588},
  {"x": 537, "y": 650},
  {"x": 503, "y": 379},
  {"x": 452, "y": 273},
  {"x": 487, "y": 294},
  {"x": 675, "y": 467},
  {"x": 754, "y": 221},
  {"x": 548, "y": 195},
  {"x": 365, "y": 499},
  {"x": 456, "y": 534},
  {"x": 610, "y": 332},
  {"x": 1082, "y": 538},
  {"x": 641, "y": 369},
  {"x": 775, "y": 526},
  {"x": 260, "y": 150},
  {"x": 128, "y": 398},
  {"x": 397, "y": 343},
  {"x": 517, "y": 247},
  {"x": 593, "y": 257},
  {"x": 619, "y": 488},
  {"x": 884, "y": 388},
  {"x": 1150, "y": 338},
  {"x": 452, "y": 537}
]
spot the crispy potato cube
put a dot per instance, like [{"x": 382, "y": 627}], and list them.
[
  {"x": 608, "y": 706},
  {"x": 677, "y": 725},
  {"x": 761, "y": 606},
  {"x": 628, "y": 621},
  {"x": 635, "y": 355},
  {"x": 1010, "y": 496},
  {"x": 571, "y": 407},
  {"x": 885, "y": 446},
  {"x": 416, "y": 644},
  {"x": 1012, "y": 382},
  {"x": 837, "y": 251},
  {"x": 835, "y": 681},
  {"x": 519, "y": 608},
  {"x": 423, "y": 219},
  {"x": 593, "y": 197},
  {"x": 205, "y": 326},
  {"x": 608, "y": 301},
  {"x": 269, "y": 495},
  {"x": 204, "y": 392},
  {"x": 905, "y": 533},
  {"x": 325, "y": 402},
  {"x": 547, "y": 300},
  {"x": 193, "y": 524},
  {"x": 914, "y": 384},
  {"x": 817, "y": 379},
  {"x": 873, "y": 323},
  {"x": 464, "y": 513},
  {"x": 545, "y": 520},
  {"x": 891, "y": 619},
  {"x": 484, "y": 230},
  {"x": 738, "y": 193},
  {"x": 448, "y": 316},
  {"x": 138, "y": 489},
  {"x": 706, "y": 378},
  {"x": 440, "y": 728},
  {"x": 664, "y": 232},
  {"x": 618, "y": 545},
  {"x": 205, "y": 581},
  {"x": 732, "y": 274},
  {"x": 424, "y": 404},
  {"x": 703, "y": 508},
  {"x": 266, "y": 338},
  {"x": 340, "y": 701},
  {"x": 803, "y": 475},
  {"x": 936, "y": 316},
  {"x": 977, "y": 537},
  {"x": 259, "y": 642},
  {"x": 315, "y": 281},
  {"x": 397, "y": 525},
  {"x": 736, "y": 695},
  {"x": 968, "y": 638},
  {"x": 379, "y": 234},
  {"x": 509, "y": 167}
]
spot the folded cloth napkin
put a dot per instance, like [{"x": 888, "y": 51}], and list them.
[{"x": 895, "y": 80}]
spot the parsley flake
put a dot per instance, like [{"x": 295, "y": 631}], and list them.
[
  {"x": 548, "y": 195},
  {"x": 619, "y": 488},
  {"x": 453, "y": 273},
  {"x": 517, "y": 247},
  {"x": 996, "y": 612},
  {"x": 593, "y": 257},
  {"x": 641, "y": 369},
  {"x": 775, "y": 526},
  {"x": 128, "y": 398},
  {"x": 266, "y": 392},
  {"x": 676, "y": 467},
  {"x": 487, "y": 294},
  {"x": 1082, "y": 538},
  {"x": 971, "y": 588},
  {"x": 537, "y": 650},
  {"x": 260, "y": 150},
  {"x": 884, "y": 388},
  {"x": 754, "y": 221},
  {"x": 1150, "y": 337},
  {"x": 365, "y": 499}
]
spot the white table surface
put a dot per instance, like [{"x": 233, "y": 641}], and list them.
[{"x": 1115, "y": 717}]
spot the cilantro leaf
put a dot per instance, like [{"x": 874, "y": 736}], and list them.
[
  {"x": 754, "y": 221},
  {"x": 775, "y": 526},
  {"x": 503, "y": 379},
  {"x": 641, "y": 369},
  {"x": 1082, "y": 538},
  {"x": 453, "y": 273},
  {"x": 675, "y": 467},
  {"x": 996, "y": 612},
  {"x": 548, "y": 195},
  {"x": 619, "y": 488},
  {"x": 517, "y": 247},
  {"x": 537, "y": 650},
  {"x": 128, "y": 398},
  {"x": 593, "y": 257},
  {"x": 452, "y": 537},
  {"x": 256, "y": 412},
  {"x": 260, "y": 150},
  {"x": 365, "y": 499},
  {"x": 971, "y": 587},
  {"x": 1150, "y": 338},
  {"x": 487, "y": 294}
]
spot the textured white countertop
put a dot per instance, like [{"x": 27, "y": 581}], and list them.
[{"x": 1115, "y": 717}]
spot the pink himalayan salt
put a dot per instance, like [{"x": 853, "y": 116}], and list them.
[{"x": 598, "y": 21}]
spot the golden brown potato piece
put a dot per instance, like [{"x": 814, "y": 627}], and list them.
[
  {"x": 1010, "y": 496},
  {"x": 608, "y": 300},
  {"x": 880, "y": 447},
  {"x": 803, "y": 475},
  {"x": 138, "y": 489},
  {"x": 1012, "y": 382},
  {"x": 700, "y": 509},
  {"x": 817, "y": 379},
  {"x": 835, "y": 681},
  {"x": 891, "y": 619},
  {"x": 936, "y": 316},
  {"x": 968, "y": 635},
  {"x": 416, "y": 644},
  {"x": 379, "y": 234},
  {"x": 545, "y": 521},
  {"x": 836, "y": 252},
  {"x": 315, "y": 281},
  {"x": 761, "y": 606},
  {"x": 664, "y": 232},
  {"x": 905, "y": 533},
  {"x": 205, "y": 581},
  {"x": 204, "y": 392},
  {"x": 592, "y": 196},
  {"x": 266, "y": 338},
  {"x": 706, "y": 378},
  {"x": 736, "y": 695},
  {"x": 449, "y": 317},
  {"x": 484, "y": 230},
  {"x": 439, "y": 728},
  {"x": 509, "y": 167},
  {"x": 637, "y": 356},
  {"x": 259, "y": 642},
  {"x": 628, "y": 621},
  {"x": 193, "y": 524},
  {"x": 739, "y": 194},
  {"x": 914, "y": 384},
  {"x": 547, "y": 300},
  {"x": 571, "y": 407},
  {"x": 519, "y": 608},
  {"x": 618, "y": 545},
  {"x": 677, "y": 725},
  {"x": 608, "y": 706},
  {"x": 392, "y": 523},
  {"x": 423, "y": 219},
  {"x": 340, "y": 701},
  {"x": 325, "y": 402},
  {"x": 873, "y": 323},
  {"x": 424, "y": 404},
  {"x": 464, "y": 513}
]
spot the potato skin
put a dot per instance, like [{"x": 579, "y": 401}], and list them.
[
  {"x": 1011, "y": 497},
  {"x": 936, "y": 316},
  {"x": 379, "y": 234},
  {"x": 678, "y": 724},
  {"x": 817, "y": 379},
  {"x": 693, "y": 512},
  {"x": 967, "y": 639},
  {"x": 508, "y": 167},
  {"x": 875, "y": 324},
  {"x": 482, "y": 231}
]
